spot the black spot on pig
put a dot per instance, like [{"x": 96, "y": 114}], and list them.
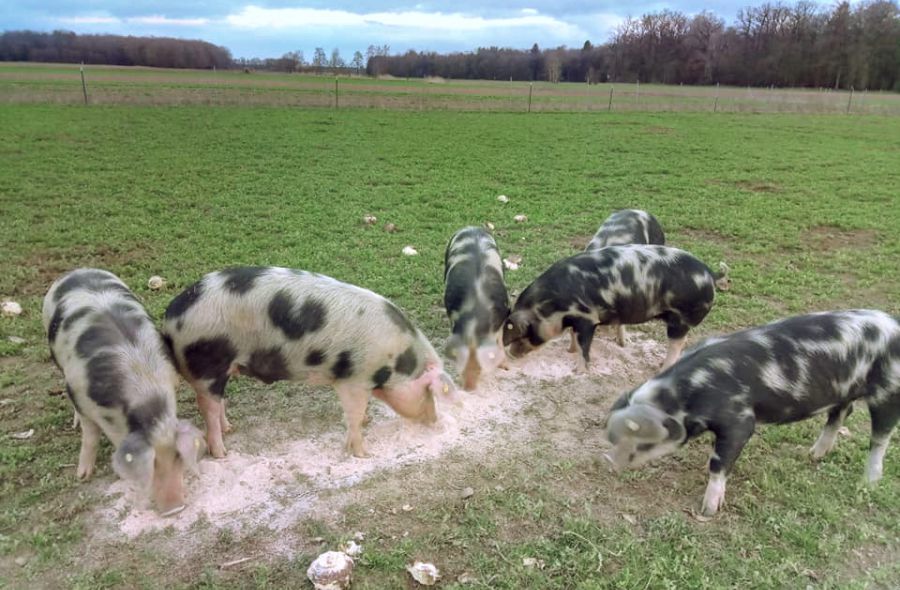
[
  {"x": 381, "y": 377},
  {"x": 626, "y": 275},
  {"x": 398, "y": 318},
  {"x": 209, "y": 358},
  {"x": 75, "y": 316},
  {"x": 241, "y": 279},
  {"x": 55, "y": 322},
  {"x": 406, "y": 362},
  {"x": 169, "y": 349},
  {"x": 343, "y": 367},
  {"x": 143, "y": 417},
  {"x": 267, "y": 365},
  {"x": 871, "y": 333},
  {"x": 105, "y": 380},
  {"x": 184, "y": 301},
  {"x": 295, "y": 324},
  {"x": 88, "y": 279},
  {"x": 667, "y": 402},
  {"x": 96, "y": 337},
  {"x": 315, "y": 357}
]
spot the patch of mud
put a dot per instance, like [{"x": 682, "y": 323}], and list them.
[
  {"x": 827, "y": 237},
  {"x": 277, "y": 489}
]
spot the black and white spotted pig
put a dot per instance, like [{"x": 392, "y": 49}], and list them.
[
  {"x": 626, "y": 226},
  {"x": 477, "y": 303},
  {"x": 614, "y": 285},
  {"x": 121, "y": 382},
  {"x": 782, "y": 372},
  {"x": 283, "y": 324}
]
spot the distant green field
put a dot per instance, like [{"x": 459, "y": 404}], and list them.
[
  {"x": 61, "y": 83},
  {"x": 805, "y": 209}
]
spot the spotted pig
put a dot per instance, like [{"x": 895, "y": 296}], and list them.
[
  {"x": 628, "y": 284},
  {"x": 121, "y": 382},
  {"x": 282, "y": 324},
  {"x": 626, "y": 226},
  {"x": 477, "y": 303},
  {"x": 782, "y": 372}
]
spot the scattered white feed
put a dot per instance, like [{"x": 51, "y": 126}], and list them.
[
  {"x": 503, "y": 199},
  {"x": 424, "y": 573},
  {"x": 410, "y": 251},
  {"x": 10, "y": 309},
  {"x": 331, "y": 571},
  {"x": 369, "y": 219},
  {"x": 390, "y": 228},
  {"x": 352, "y": 548},
  {"x": 520, "y": 218},
  {"x": 156, "y": 283},
  {"x": 489, "y": 226},
  {"x": 510, "y": 265},
  {"x": 23, "y": 435},
  {"x": 17, "y": 340}
]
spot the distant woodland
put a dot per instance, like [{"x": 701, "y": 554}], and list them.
[{"x": 773, "y": 44}]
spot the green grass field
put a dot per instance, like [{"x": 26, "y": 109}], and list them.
[
  {"x": 805, "y": 209},
  {"x": 112, "y": 85}
]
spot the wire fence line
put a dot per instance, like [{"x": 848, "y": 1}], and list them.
[{"x": 111, "y": 86}]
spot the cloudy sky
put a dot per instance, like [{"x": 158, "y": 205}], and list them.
[{"x": 269, "y": 28}]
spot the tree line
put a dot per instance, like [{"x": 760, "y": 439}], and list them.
[
  {"x": 67, "y": 47},
  {"x": 771, "y": 44}
]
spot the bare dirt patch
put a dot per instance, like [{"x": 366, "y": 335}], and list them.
[
  {"x": 828, "y": 238},
  {"x": 312, "y": 478}
]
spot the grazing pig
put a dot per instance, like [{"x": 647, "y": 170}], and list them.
[
  {"x": 121, "y": 382},
  {"x": 477, "y": 303},
  {"x": 613, "y": 285},
  {"x": 626, "y": 226},
  {"x": 281, "y": 324},
  {"x": 782, "y": 372}
]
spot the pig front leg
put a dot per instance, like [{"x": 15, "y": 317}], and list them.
[
  {"x": 620, "y": 335},
  {"x": 583, "y": 331},
  {"x": 825, "y": 442},
  {"x": 90, "y": 439},
  {"x": 573, "y": 343},
  {"x": 676, "y": 330},
  {"x": 354, "y": 400},
  {"x": 727, "y": 448}
]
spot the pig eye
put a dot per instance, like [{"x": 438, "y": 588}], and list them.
[{"x": 509, "y": 326}]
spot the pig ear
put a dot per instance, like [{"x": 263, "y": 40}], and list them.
[
  {"x": 133, "y": 460},
  {"x": 641, "y": 421},
  {"x": 190, "y": 444}
]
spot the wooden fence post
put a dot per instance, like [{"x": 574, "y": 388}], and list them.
[
  {"x": 83, "y": 85},
  {"x": 609, "y": 107},
  {"x": 530, "y": 90}
]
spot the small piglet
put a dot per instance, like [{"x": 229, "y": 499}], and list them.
[
  {"x": 782, "y": 372},
  {"x": 613, "y": 285},
  {"x": 477, "y": 303},
  {"x": 626, "y": 226},
  {"x": 121, "y": 382},
  {"x": 281, "y": 324}
]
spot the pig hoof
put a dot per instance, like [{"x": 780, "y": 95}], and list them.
[
  {"x": 85, "y": 473},
  {"x": 173, "y": 511},
  {"x": 217, "y": 450}
]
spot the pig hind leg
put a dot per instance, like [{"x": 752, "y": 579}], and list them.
[
  {"x": 727, "y": 448},
  {"x": 354, "y": 400},
  {"x": 885, "y": 416},
  {"x": 90, "y": 439},
  {"x": 825, "y": 442},
  {"x": 676, "y": 330},
  {"x": 212, "y": 406},
  {"x": 620, "y": 335}
]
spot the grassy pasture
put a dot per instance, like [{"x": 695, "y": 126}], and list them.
[
  {"x": 805, "y": 209},
  {"x": 61, "y": 83}
]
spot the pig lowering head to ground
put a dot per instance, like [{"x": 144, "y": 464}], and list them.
[
  {"x": 282, "y": 324},
  {"x": 614, "y": 285},
  {"x": 121, "y": 382},
  {"x": 626, "y": 226},
  {"x": 477, "y": 303},
  {"x": 782, "y": 372}
]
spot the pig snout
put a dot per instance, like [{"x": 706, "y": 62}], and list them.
[{"x": 168, "y": 482}]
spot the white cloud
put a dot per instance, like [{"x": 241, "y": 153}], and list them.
[
  {"x": 90, "y": 20},
  {"x": 529, "y": 11},
  {"x": 157, "y": 19},
  {"x": 255, "y": 17}
]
